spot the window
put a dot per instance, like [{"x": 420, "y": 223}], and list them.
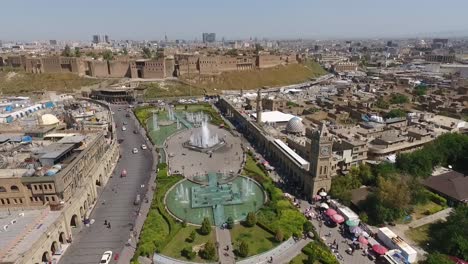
[
  {"x": 2, "y": 189},
  {"x": 45, "y": 186},
  {"x": 14, "y": 188}
]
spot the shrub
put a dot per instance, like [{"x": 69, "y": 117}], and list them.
[
  {"x": 188, "y": 253},
  {"x": 279, "y": 236},
  {"x": 437, "y": 199},
  {"x": 191, "y": 237},
  {"x": 251, "y": 219},
  {"x": 230, "y": 223},
  {"x": 205, "y": 228},
  {"x": 243, "y": 249},
  {"x": 209, "y": 252},
  {"x": 307, "y": 227}
]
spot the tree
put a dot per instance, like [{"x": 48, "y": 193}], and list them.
[
  {"x": 232, "y": 52},
  {"x": 450, "y": 237},
  {"x": 230, "y": 223},
  {"x": 279, "y": 236},
  {"x": 251, "y": 219},
  {"x": 188, "y": 253},
  {"x": 243, "y": 249},
  {"x": 209, "y": 251},
  {"x": 147, "y": 53},
  {"x": 399, "y": 99},
  {"x": 107, "y": 55},
  {"x": 92, "y": 55},
  {"x": 205, "y": 228},
  {"x": 191, "y": 237},
  {"x": 125, "y": 51},
  {"x": 437, "y": 258},
  {"x": 67, "y": 51},
  {"x": 395, "y": 113},
  {"x": 307, "y": 227},
  {"x": 77, "y": 52},
  {"x": 382, "y": 104}
]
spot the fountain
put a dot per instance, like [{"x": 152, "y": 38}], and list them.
[
  {"x": 202, "y": 140},
  {"x": 155, "y": 121},
  {"x": 182, "y": 194}
]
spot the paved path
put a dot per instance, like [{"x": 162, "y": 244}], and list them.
[
  {"x": 223, "y": 236},
  {"x": 119, "y": 194},
  {"x": 441, "y": 215},
  {"x": 281, "y": 254}
]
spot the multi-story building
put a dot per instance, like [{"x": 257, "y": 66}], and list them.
[
  {"x": 47, "y": 188},
  {"x": 209, "y": 37}
]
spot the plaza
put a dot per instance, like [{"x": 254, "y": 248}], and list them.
[{"x": 190, "y": 163}]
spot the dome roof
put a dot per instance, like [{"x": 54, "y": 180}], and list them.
[
  {"x": 295, "y": 125},
  {"x": 49, "y": 119}
]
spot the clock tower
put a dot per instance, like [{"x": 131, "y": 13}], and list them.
[{"x": 320, "y": 160}]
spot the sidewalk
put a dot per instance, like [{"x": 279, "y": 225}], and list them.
[{"x": 223, "y": 236}]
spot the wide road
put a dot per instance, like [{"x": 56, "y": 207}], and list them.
[{"x": 116, "y": 202}]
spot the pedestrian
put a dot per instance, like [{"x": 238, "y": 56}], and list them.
[
  {"x": 105, "y": 222},
  {"x": 109, "y": 225},
  {"x": 334, "y": 242}
]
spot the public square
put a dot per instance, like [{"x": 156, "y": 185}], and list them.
[{"x": 190, "y": 163}]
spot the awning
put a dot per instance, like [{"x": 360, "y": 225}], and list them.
[
  {"x": 337, "y": 218},
  {"x": 363, "y": 240},
  {"x": 330, "y": 212},
  {"x": 379, "y": 249},
  {"x": 352, "y": 223}
]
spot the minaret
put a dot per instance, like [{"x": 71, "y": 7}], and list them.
[{"x": 259, "y": 106}]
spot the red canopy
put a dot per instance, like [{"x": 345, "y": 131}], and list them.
[
  {"x": 363, "y": 240},
  {"x": 330, "y": 212},
  {"x": 379, "y": 249},
  {"x": 337, "y": 218}
]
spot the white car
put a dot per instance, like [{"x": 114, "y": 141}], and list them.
[
  {"x": 144, "y": 146},
  {"x": 124, "y": 128},
  {"x": 106, "y": 257},
  {"x": 135, "y": 151}
]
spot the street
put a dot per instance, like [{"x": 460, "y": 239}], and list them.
[{"x": 116, "y": 202}]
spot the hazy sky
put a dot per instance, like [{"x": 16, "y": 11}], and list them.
[{"x": 150, "y": 19}]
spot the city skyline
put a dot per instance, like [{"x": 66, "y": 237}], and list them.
[{"x": 146, "y": 20}]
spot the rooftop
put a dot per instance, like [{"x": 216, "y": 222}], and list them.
[
  {"x": 21, "y": 229},
  {"x": 452, "y": 184}
]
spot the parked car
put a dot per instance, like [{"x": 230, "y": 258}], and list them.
[
  {"x": 106, "y": 257},
  {"x": 144, "y": 146},
  {"x": 137, "y": 200},
  {"x": 135, "y": 151}
]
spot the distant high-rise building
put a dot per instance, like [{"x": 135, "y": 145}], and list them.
[
  {"x": 106, "y": 39},
  {"x": 53, "y": 42},
  {"x": 209, "y": 37},
  {"x": 96, "y": 39},
  {"x": 1, "y": 43}
]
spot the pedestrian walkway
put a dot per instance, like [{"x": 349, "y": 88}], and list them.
[
  {"x": 280, "y": 254},
  {"x": 441, "y": 215},
  {"x": 225, "y": 253}
]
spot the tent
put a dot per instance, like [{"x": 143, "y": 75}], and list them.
[
  {"x": 379, "y": 249},
  {"x": 330, "y": 212},
  {"x": 363, "y": 240},
  {"x": 324, "y": 205},
  {"x": 352, "y": 223},
  {"x": 337, "y": 218}
]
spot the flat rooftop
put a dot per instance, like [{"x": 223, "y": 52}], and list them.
[
  {"x": 274, "y": 117},
  {"x": 24, "y": 228}
]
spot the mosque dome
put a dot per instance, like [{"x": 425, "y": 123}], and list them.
[
  {"x": 295, "y": 125},
  {"x": 48, "y": 119}
]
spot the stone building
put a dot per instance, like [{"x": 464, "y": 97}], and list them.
[
  {"x": 267, "y": 61},
  {"x": 310, "y": 176},
  {"x": 60, "y": 199}
]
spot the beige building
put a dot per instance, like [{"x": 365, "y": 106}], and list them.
[{"x": 41, "y": 208}]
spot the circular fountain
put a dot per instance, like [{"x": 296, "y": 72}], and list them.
[
  {"x": 201, "y": 139},
  {"x": 217, "y": 199}
]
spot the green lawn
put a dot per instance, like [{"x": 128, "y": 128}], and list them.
[
  {"x": 159, "y": 228},
  {"x": 178, "y": 243},
  {"x": 419, "y": 235},
  {"x": 426, "y": 209},
  {"x": 278, "y": 213},
  {"x": 299, "y": 259},
  {"x": 258, "y": 239}
]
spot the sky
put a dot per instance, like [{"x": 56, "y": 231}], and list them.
[{"x": 237, "y": 19}]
